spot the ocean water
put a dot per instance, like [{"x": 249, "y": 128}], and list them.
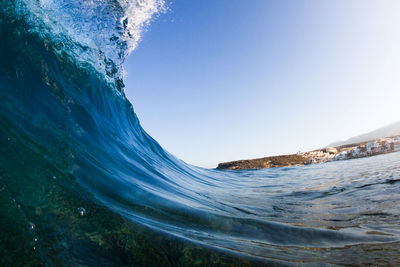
[{"x": 82, "y": 184}]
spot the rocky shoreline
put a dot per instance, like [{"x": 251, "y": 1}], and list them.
[
  {"x": 263, "y": 163},
  {"x": 344, "y": 152}
]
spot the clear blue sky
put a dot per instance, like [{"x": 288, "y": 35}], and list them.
[{"x": 220, "y": 80}]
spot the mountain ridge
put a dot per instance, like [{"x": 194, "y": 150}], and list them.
[{"x": 388, "y": 130}]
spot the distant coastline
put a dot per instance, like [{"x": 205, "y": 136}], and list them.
[{"x": 345, "y": 152}]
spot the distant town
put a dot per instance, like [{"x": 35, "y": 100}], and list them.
[
  {"x": 353, "y": 151},
  {"x": 344, "y": 152}
]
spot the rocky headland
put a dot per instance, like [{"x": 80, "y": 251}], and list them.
[{"x": 267, "y": 162}]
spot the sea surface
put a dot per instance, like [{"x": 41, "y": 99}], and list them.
[{"x": 82, "y": 184}]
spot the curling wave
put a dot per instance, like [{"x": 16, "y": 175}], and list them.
[{"x": 80, "y": 180}]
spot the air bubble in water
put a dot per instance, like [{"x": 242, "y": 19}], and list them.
[{"x": 82, "y": 211}]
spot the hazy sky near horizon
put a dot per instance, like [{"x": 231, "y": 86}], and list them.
[{"x": 215, "y": 81}]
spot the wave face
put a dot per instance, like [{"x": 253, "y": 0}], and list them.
[{"x": 81, "y": 183}]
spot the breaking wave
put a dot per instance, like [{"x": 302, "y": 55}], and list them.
[{"x": 82, "y": 182}]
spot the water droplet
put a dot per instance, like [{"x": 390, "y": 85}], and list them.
[
  {"x": 36, "y": 239},
  {"x": 54, "y": 177},
  {"x": 31, "y": 226},
  {"x": 82, "y": 211}
]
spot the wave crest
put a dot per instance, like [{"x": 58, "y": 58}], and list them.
[{"x": 99, "y": 32}]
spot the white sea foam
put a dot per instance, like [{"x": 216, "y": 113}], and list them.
[{"x": 92, "y": 31}]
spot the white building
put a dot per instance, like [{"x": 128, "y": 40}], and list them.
[
  {"x": 356, "y": 152},
  {"x": 371, "y": 146},
  {"x": 331, "y": 150},
  {"x": 341, "y": 156}
]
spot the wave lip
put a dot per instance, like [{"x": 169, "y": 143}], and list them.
[{"x": 97, "y": 32}]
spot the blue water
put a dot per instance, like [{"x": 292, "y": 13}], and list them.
[{"x": 82, "y": 183}]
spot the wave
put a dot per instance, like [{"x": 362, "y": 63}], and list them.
[{"x": 82, "y": 181}]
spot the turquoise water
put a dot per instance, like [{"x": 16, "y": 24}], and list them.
[{"x": 81, "y": 183}]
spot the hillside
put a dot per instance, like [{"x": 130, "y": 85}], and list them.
[{"x": 389, "y": 130}]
